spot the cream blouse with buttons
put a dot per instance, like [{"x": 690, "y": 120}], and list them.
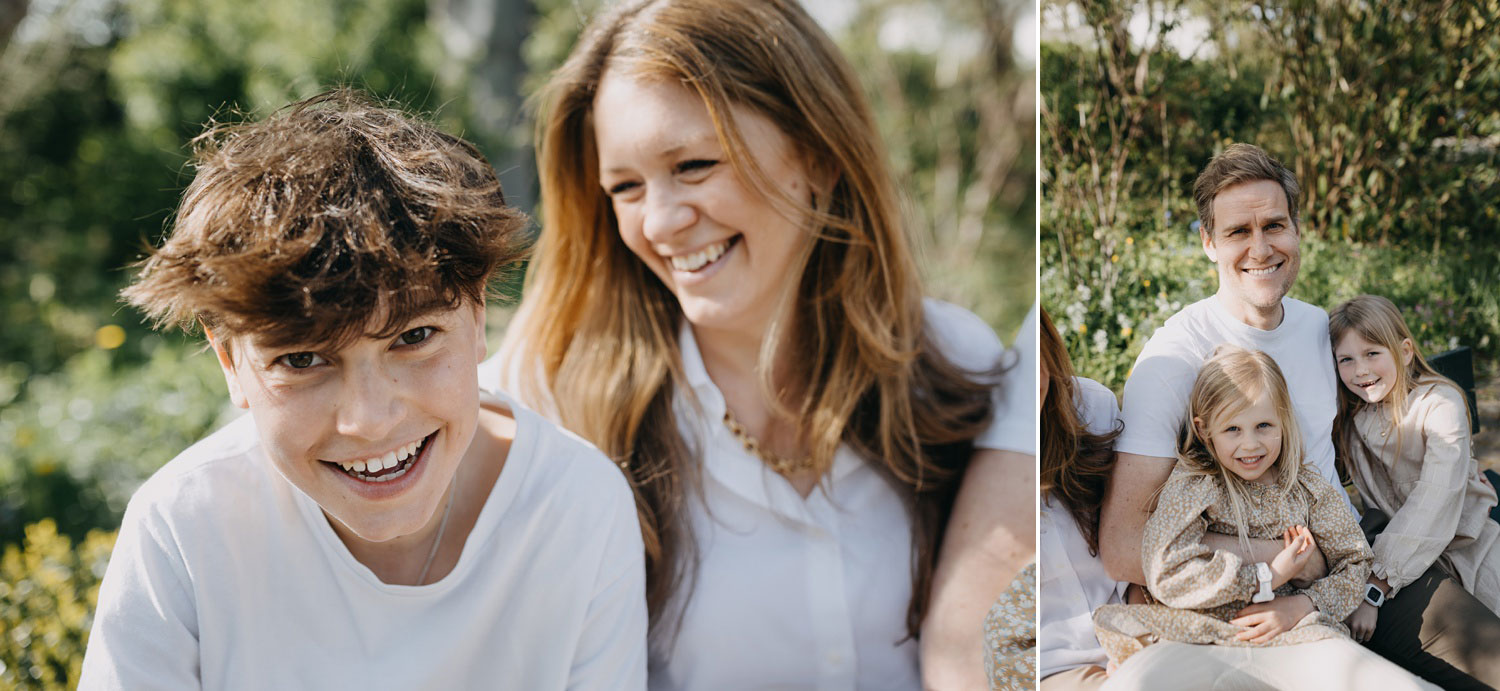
[
  {"x": 795, "y": 593},
  {"x": 1430, "y": 486}
]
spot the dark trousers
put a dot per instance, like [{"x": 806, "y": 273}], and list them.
[{"x": 1436, "y": 629}]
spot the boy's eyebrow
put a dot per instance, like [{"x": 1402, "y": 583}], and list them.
[{"x": 434, "y": 306}]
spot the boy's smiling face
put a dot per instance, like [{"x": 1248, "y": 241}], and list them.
[{"x": 332, "y": 420}]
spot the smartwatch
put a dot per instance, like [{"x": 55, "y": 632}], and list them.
[
  {"x": 1373, "y": 595},
  {"x": 1263, "y": 574}
]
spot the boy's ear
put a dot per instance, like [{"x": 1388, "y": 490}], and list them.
[
  {"x": 1407, "y": 352},
  {"x": 226, "y": 363},
  {"x": 481, "y": 349}
]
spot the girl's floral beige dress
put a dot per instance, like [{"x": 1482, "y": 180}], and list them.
[{"x": 1200, "y": 589}]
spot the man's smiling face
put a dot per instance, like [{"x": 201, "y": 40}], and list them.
[{"x": 1255, "y": 244}]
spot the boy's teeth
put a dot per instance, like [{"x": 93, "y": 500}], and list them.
[{"x": 390, "y": 460}]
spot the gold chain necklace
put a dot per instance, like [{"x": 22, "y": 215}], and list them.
[{"x": 780, "y": 464}]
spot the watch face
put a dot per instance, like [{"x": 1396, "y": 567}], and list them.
[{"x": 1373, "y": 595}]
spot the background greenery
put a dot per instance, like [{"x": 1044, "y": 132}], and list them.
[
  {"x": 1388, "y": 113},
  {"x": 98, "y": 97}
]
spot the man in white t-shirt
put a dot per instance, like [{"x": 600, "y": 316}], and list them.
[
  {"x": 374, "y": 522},
  {"x": 1247, "y": 205}
]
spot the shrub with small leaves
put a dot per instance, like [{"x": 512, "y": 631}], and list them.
[{"x": 48, "y": 591}]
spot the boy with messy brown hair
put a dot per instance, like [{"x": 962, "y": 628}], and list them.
[{"x": 376, "y": 521}]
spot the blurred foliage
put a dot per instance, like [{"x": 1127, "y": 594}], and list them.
[
  {"x": 1386, "y": 112},
  {"x": 89, "y": 433},
  {"x": 48, "y": 591}
]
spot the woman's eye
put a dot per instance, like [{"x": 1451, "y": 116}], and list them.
[
  {"x": 696, "y": 165},
  {"x": 620, "y": 188},
  {"x": 415, "y": 336},
  {"x": 301, "y": 360}
]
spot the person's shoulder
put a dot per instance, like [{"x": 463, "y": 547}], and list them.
[
  {"x": 1096, "y": 405},
  {"x": 209, "y": 478},
  {"x": 1185, "y": 482},
  {"x": 1318, "y": 486},
  {"x": 559, "y": 463},
  {"x": 1439, "y": 399},
  {"x": 1304, "y": 311},
  {"x": 1185, "y": 338},
  {"x": 962, "y": 335}
]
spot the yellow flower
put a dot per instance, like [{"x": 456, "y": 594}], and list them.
[
  {"x": 1125, "y": 332},
  {"x": 109, "y": 337},
  {"x": 1146, "y": 283},
  {"x": 1130, "y": 240},
  {"x": 1114, "y": 258},
  {"x": 1083, "y": 328}
]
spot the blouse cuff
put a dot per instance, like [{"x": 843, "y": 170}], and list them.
[{"x": 1393, "y": 581}]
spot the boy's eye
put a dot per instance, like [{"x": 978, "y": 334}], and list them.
[
  {"x": 302, "y": 360},
  {"x": 415, "y": 336}
]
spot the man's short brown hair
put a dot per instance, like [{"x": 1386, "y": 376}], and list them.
[
  {"x": 1236, "y": 164},
  {"x": 302, "y": 227}
]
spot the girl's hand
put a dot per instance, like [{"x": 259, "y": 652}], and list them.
[
  {"x": 1362, "y": 622},
  {"x": 1265, "y": 620},
  {"x": 1299, "y": 548}
]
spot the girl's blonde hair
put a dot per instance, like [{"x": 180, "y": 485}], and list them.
[
  {"x": 1229, "y": 382},
  {"x": 1377, "y": 320},
  {"x": 848, "y": 354}
]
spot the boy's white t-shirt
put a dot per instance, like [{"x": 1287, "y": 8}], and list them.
[
  {"x": 226, "y": 576},
  {"x": 1156, "y": 393}
]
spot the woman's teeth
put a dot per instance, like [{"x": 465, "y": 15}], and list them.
[
  {"x": 366, "y": 469},
  {"x": 701, "y": 258}
]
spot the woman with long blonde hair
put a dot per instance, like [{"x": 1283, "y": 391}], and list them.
[{"x": 724, "y": 300}]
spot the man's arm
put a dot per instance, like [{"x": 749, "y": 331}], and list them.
[
  {"x": 1132, "y": 486},
  {"x": 1122, "y": 519},
  {"x": 990, "y": 536}
]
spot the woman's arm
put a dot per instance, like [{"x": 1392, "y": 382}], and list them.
[{"x": 990, "y": 536}]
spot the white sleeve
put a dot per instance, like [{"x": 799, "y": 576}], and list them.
[
  {"x": 968, "y": 342},
  {"x": 611, "y": 651},
  {"x": 145, "y": 632},
  {"x": 1155, "y": 404}
]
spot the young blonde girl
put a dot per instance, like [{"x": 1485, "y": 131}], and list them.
[
  {"x": 1403, "y": 433},
  {"x": 1218, "y": 619}
]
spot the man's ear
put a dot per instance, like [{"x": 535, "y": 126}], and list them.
[
  {"x": 226, "y": 363},
  {"x": 1208, "y": 244}
]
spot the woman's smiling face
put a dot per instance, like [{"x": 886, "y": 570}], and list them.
[{"x": 725, "y": 250}]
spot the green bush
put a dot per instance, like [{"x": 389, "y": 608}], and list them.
[
  {"x": 1447, "y": 296},
  {"x": 48, "y": 591},
  {"x": 82, "y": 439}
]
